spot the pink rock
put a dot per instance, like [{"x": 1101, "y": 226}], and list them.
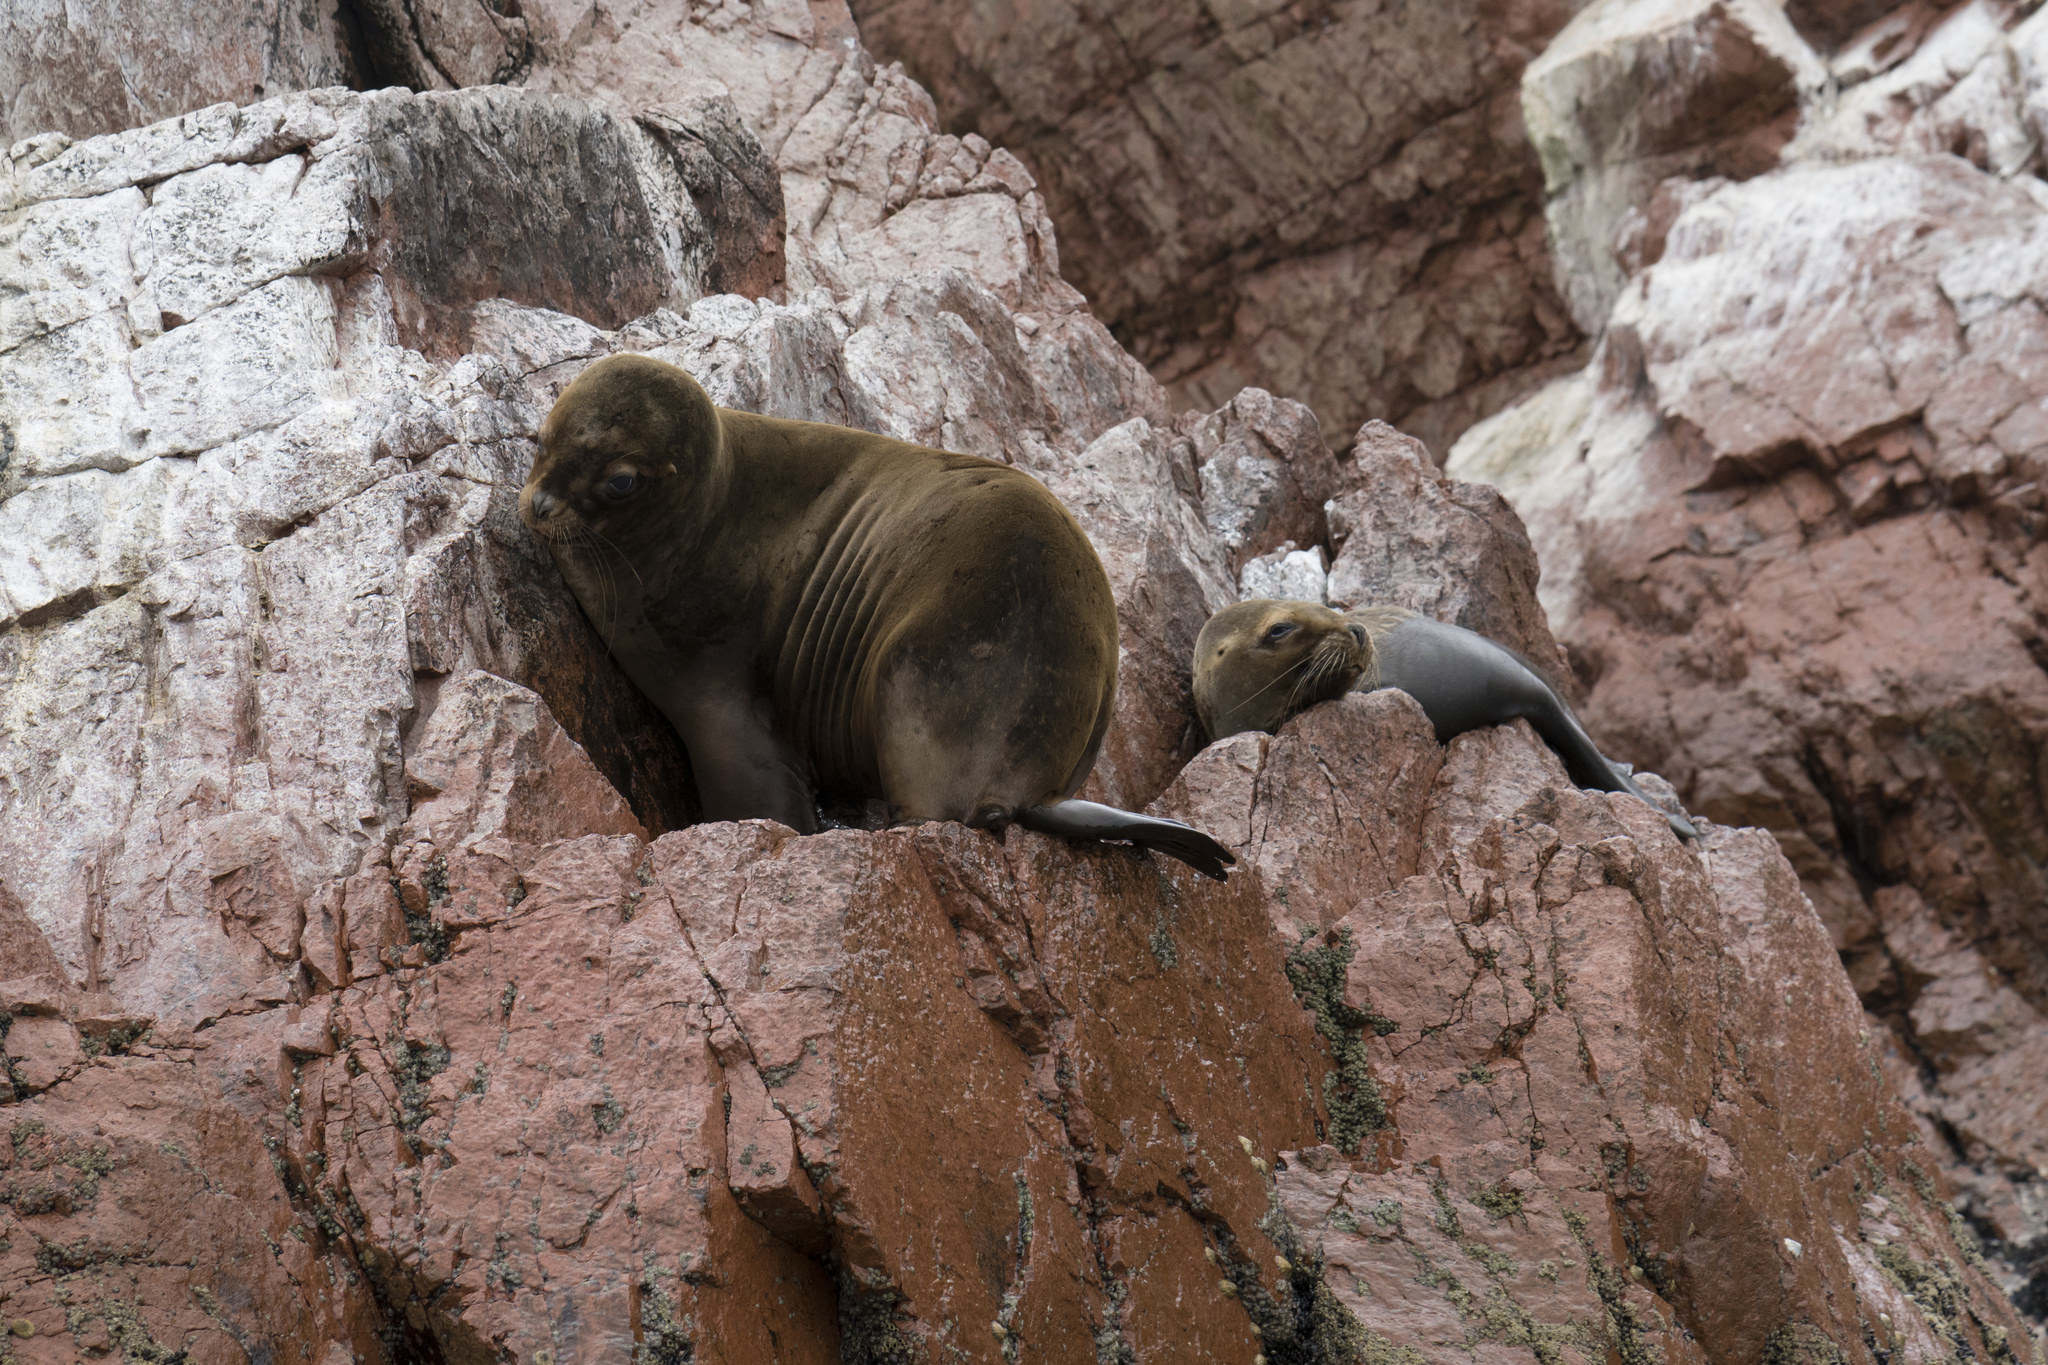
[
  {"x": 1405, "y": 536},
  {"x": 764, "y": 1172},
  {"x": 1789, "y": 522},
  {"x": 1338, "y": 204}
]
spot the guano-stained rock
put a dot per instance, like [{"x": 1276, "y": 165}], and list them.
[
  {"x": 1790, "y": 519},
  {"x": 370, "y": 995}
]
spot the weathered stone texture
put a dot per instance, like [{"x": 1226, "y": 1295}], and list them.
[
  {"x": 1334, "y": 200},
  {"x": 1790, "y": 517},
  {"x": 99, "y": 66},
  {"x": 370, "y": 995}
]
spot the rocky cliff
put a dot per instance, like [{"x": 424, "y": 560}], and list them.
[
  {"x": 1787, "y": 515},
  {"x": 1334, "y": 199},
  {"x": 370, "y": 993},
  {"x": 1790, "y": 516}
]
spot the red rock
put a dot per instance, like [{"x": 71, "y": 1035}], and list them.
[
  {"x": 1063, "y": 1090},
  {"x": 1335, "y": 202},
  {"x": 143, "y": 1212},
  {"x": 474, "y": 1070},
  {"x": 1797, "y": 569}
]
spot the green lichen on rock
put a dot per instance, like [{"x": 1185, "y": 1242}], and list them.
[
  {"x": 1027, "y": 1218},
  {"x": 868, "y": 1331},
  {"x": 14, "y": 1076},
  {"x": 1300, "y": 1319},
  {"x": 1357, "y": 1108},
  {"x": 1958, "y": 1228},
  {"x": 1628, "y": 1336},
  {"x": 1164, "y": 951},
  {"x": 420, "y": 926},
  {"x": 1332, "y": 1336},
  {"x": 664, "y": 1332},
  {"x": 416, "y": 1064},
  {"x": 1447, "y": 1221},
  {"x": 1936, "y": 1290},
  {"x": 1801, "y": 1343},
  {"x": 1111, "y": 1346},
  {"x": 91, "y": 1163},
  {"x": 115, "y": 1040},
  {"x": 1498, "y": 1318},
  {"x": 1500, "y": 1201},
  {"x": 1627, "y": 1333}
]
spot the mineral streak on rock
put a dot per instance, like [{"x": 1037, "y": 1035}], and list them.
[{"x": 367, "y": 993}]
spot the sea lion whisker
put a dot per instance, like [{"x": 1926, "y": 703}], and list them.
[
  {"x": 1308, "y": 685},
  {"x": 608, "y": 600},
  {"x": 1324, "y": 662},
  {"x": 611, "y": 583},
  {"x": 607, "y": 597},
  {"x": 1269, "y": 686},
  {"x": 621, "y": 554}
]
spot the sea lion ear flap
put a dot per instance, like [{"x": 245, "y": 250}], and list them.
[{"x": 668, "y": 469}]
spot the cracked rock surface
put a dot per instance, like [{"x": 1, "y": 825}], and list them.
[
  {"x": 1333, "y": 200},
  {"x": 1791, "y": 515},
  {"x": 369, "y": 993}
]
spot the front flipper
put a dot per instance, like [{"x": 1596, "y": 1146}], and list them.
[{"x": 1091, "y": 820}]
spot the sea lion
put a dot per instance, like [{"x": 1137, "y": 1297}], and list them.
[
  {"x": 1259, "y": 662},
  {"x": 823, "y": 610}
]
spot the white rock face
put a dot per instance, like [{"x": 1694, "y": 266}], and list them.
[
  {"x": 1631, "y": 92},
  {"x": 230, "y": 497},
  {"x": 1287, "y": 575},
  {"x": 269, "y": 383}
]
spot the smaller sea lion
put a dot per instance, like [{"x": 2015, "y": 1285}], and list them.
[
  {"x": 823, "y": 610},
  {"x": 1259, "y": 662}
]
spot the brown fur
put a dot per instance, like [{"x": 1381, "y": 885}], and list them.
[
  {"x": 1247, "y": 680},
  {"x": 822, "y": 609}
]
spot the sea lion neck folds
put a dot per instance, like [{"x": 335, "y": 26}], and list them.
[
  {"x": 818, "y": 609},
  {"x": 1260, "y": 662}
]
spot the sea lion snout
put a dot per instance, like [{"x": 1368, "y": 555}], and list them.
[
  {"x": 1260, "y": 661},
  {"x": 540, "y": 504}
]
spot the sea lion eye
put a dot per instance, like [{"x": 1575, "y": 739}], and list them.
[
  {"x": 621, "y": 486},
  {"x": 1279, "y": 632}
]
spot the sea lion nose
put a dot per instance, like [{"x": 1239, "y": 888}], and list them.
[{"x": 544, "y": 503}]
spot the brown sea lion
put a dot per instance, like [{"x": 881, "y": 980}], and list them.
[
  {"x": 1258, "y": 662},
  {"x": 823, "y": 610}
]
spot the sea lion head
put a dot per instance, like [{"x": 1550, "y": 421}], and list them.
[
  {"x": 632, "y": 448},
  {"x": 1259, "y": 662}
]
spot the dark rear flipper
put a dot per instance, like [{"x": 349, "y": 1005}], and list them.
[
  {"x": 1465, "y": 680},
  {"x": 1090, "y": 820}
]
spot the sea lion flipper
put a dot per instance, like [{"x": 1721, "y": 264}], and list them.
[
  {"x": 1464, "y": 680},
  {"x": 1092, "y": 820}
]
